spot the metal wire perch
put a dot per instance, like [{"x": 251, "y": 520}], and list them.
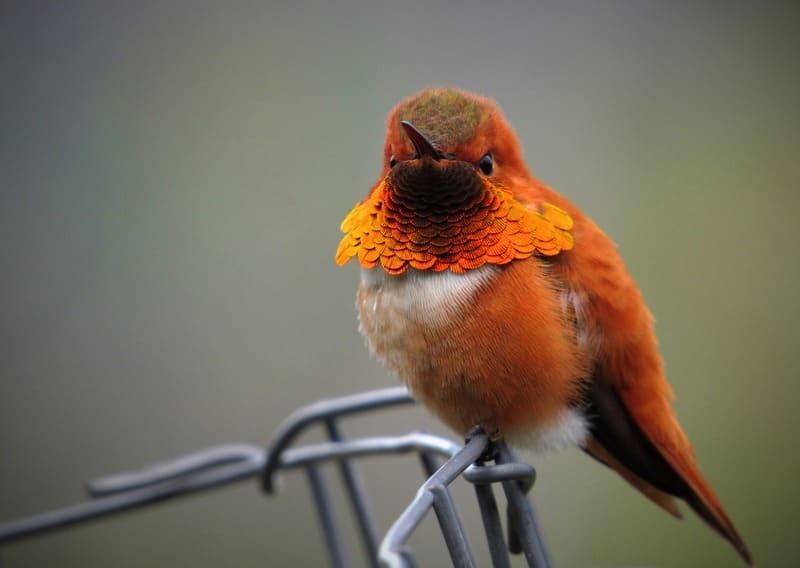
[{"x": 226, "y": 464}]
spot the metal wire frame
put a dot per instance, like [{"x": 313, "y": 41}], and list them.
[{"x": 225, "y": 464}]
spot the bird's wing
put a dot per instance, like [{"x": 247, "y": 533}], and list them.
[{"x": 633, "y": 427}]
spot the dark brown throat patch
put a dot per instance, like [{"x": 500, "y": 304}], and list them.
[{"x": 436, "y": 191}]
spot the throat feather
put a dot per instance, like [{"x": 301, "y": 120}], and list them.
[{"x": 447, "y": 220}]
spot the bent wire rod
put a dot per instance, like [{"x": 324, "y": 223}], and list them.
[
  {"x": 325, "y": 410},
  {"x": 517, "y": 479},
  {"x": 215, "y": 466},
  {"x": 225, "y": 464},
  {"x": 433, "y": 494},
  {"x": 206, "y": 469}
]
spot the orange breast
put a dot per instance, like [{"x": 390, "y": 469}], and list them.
[{"x": 490, "y": 347}]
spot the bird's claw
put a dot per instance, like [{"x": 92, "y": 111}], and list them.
[{"x": 490, "y": 453}]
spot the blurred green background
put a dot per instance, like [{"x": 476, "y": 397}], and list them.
[{"x": 172, "y": 177}]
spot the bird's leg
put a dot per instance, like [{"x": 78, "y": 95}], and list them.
[{"x": 490, "y": 453}]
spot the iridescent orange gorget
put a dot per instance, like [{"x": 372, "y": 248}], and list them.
[{"x": 462, "y": 224}]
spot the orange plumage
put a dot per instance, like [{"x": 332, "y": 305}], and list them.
[{"x": 500, "y": 304}]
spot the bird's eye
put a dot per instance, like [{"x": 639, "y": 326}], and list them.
[
  {"x": 486, "y": 163},
  {"x": 392, "y": 161}
]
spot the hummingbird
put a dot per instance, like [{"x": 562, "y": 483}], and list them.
[{"x": 501, "y": 305}]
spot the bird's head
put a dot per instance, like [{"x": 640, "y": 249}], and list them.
[{"x": 446, "y": 196}]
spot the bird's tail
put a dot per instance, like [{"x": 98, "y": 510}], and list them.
[{"x": 638, "y": 436}]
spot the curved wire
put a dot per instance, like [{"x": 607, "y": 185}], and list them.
[
  {"x": 225, "y": 464},
  {"x": 325, "y": 410}
]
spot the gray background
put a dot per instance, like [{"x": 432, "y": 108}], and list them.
[{"x": 172, "y": 177}]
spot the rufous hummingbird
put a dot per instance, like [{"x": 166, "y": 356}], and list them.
[{"x": 499, "y": 304}]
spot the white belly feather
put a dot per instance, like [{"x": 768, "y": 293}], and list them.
[{"x": 423, "y": 296}]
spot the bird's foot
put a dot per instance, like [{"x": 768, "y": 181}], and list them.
[{"x": 490, "y": 453}]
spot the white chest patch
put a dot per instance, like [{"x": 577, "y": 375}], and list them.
[
  {"x": 398, "y": 314},
  {"x": 422, "y": 296}
]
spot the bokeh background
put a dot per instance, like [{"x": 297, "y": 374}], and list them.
[{"x": 172, "y": 177}]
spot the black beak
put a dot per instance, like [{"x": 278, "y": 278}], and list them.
[{"x": 422, "y": 144}]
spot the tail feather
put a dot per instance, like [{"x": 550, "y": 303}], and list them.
[
  {"x": 642, "y": 441},
  {"x": 663, "y": 500},
  {"x": 704, "y": 502}
]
